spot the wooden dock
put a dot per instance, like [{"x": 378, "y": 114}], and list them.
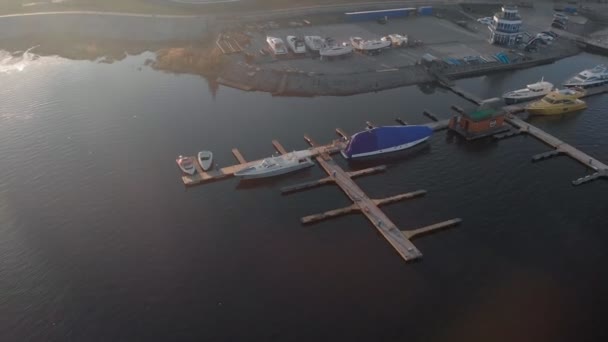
[
  {"x": 601, "y": 169},
  {"x": 201, "y": 177},
  {"x": 367, "y": 206}
]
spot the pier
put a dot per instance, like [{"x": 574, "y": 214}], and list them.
[
  {"x": 561, "y": 148},
  {"x": 399, "y": 240}
]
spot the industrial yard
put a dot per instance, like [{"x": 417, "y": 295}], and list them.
[{"x": 446, "y": 34}]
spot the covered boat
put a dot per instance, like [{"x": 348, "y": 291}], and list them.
[
  {"x": 276, "y": 45},
  {"x": 385, "y": 139}
]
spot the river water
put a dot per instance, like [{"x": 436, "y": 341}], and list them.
[{"x": 99, "y": 241}]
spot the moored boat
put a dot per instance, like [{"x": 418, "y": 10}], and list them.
[
  {"x": 296, "y": 44},
  {"x": 276, "y": 45},
  {"x": 558, "y": 102},
  {"x": 589, "y": 78},
  {"x": 385, "y": 139},
  {"x": 275, "y": 166},
  {"x": 530, "y": 92},
  {"x": 205, "y": 159},
  {"x": 186, "y": 165}
]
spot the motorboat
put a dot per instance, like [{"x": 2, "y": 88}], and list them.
[
  {"x": 385, "y": 139},
  {"x": 361, "y": 44},
  {"x": 336, "y": 50},
  {"x": 558, "y": 102},
  {"x": 205, "y": 159},
  {"x": 186, "y": 164},
  {"x": 314, "y": 43},
  {"x": 530, "y": 92},
  {"x": 589, "y": 78},
  {"x": 275, "y": 166},
  {"x": 276, "y": 45},
  {"x": 296, "y": 44}
]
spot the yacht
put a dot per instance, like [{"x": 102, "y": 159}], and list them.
[
  {"x": 186, "y": 165},
  {"x": 369, "y": 45},
  {"x": 296, "y": 44},
  {"x": 558, "y": 102},
  {"x": 314, "y": 43},
  {"x": 336, "y": 50},
  {"x": 276, "y": 45},
  {"x": 275, "y": 166},
  {"x": 205, "y": 159},
  {"x": 530, "y": 92},
  {"x": 385, "y": 139},
  {"x": 589, "y": 78}
]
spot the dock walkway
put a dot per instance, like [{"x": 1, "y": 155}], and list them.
[
  {"x": 562, "y": 148},
  {"x": 368, "y": 207}
]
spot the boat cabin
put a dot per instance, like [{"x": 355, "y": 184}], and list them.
[{"x": 482, "y": 122}]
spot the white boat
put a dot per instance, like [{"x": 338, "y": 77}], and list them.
[
  {"x": 396, "y": 40},
  {"x": 314, "y": 43},
  {"x": 275, "y": 166},
  {"x": 186, "y": 165},
  {"x": 369, "y": 45},
  {"x": 296, "y": 44},
  {"x": 589, "y": 78},
  {"x": 276, "y": 45},
  {"x": 205, "y": 159},
  {"x": 530, "y": 92},
  {"x": 336, "y": 50}
]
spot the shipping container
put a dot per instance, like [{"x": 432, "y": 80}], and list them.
[{"x": 425, "y": 10}]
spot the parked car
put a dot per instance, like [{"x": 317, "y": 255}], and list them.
[
  {"x": 486, "y": 20},
  {"x": 558, "y": 24},
  {"x": 560, "y": 16},
  {"x": 545, "y": 37},
  {"x": 551, "y": 33}
]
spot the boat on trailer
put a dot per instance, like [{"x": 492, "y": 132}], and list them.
[
  {"x": 296, "y": 44},
  {"x": 369, "y": 46},
  {"x": 276, "y": 45},
  {"x": 314, "y": 43}
]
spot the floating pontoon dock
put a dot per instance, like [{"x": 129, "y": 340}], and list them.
[{"x": 400, "y": 240}]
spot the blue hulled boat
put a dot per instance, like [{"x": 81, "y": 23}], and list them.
[{"x": 385, "y": 139}]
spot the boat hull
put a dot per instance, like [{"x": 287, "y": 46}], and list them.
[
  {"x": 513, "y": 100},
  {"x": 586, "y": 85},
  {"x": 205, "y": 163},
  {"x": 385, "y": 150},
  {"x": 557, "y": 110},
  {"x": 187, "y": 170},
  {"x": 243, "y": 174}
]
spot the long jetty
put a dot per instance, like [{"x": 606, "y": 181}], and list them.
[
  {"x": 399, "y": 240},
  {"x": 601, "y": 169}
]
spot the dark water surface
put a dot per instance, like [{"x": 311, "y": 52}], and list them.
[{"x": 99, "y": 241}]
